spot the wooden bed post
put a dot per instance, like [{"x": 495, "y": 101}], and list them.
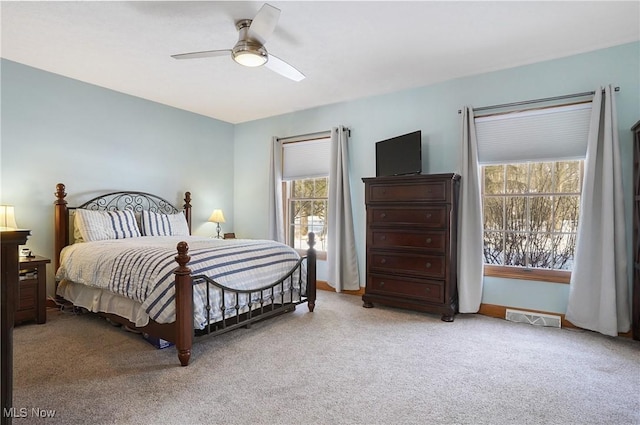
[
  {"x": 61, "y": 223},
  {"x": 184, "y": 305},
  {"x": 187, "y": 209},
  {"x": 311, "y": 272}
]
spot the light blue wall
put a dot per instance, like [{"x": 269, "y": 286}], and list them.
[
  {"x": 55, "y": 129},
  {"x": 60, "y": 130},
  {"x": 434, "y": 110}
]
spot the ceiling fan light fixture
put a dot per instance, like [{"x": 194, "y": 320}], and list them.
[{"x": 250, "y": 58}]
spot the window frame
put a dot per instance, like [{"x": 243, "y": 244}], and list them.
[
  {"x": 523, "y": 273},
  {"x": 528, "y": 273},
  {"x": 287, "y": 189},
  {"x": 286, "y": 186}
]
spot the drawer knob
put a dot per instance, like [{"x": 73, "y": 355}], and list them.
[
  {"x": 383, "y": 215},
  {"x": 383, "y": 261},
  {"x": 383, "y": 238},
  {"x": 427, "y": 289},
  {"x": 428, "y": 215},
  {"x": 381, "y": 283},
  {"x": 428, "y": 265},
  {"x": 428, "y": 240}
]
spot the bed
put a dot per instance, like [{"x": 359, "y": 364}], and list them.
[{"x": 129, "y": 256}]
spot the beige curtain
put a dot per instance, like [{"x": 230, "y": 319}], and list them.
[
  {"x": 599, "y": 288},
  {"x": 341, "y": 245},
  {"x": 470, "y": 238},
  {"x": 276, "y": 214}
]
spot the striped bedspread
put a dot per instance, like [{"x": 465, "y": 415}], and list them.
[{"x": 142, "y": 269}]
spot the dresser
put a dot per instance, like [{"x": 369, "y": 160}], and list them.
[
  {"x": 411, "y": 242},
  {"x": 635, "y": 328}
]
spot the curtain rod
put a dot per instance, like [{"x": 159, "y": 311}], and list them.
[
  {"x": 527, "y": 102},
  {"x": 309, "y": 136}
]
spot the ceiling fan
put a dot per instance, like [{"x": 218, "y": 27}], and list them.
[{"x": 249, "y": 50}]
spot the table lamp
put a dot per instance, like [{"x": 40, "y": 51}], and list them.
[
  {"x": 217, "y": 217},
  {"x": 7, "y": 218}
]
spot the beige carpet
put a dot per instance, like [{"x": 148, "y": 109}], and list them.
[{"x": 342, "y": 364}]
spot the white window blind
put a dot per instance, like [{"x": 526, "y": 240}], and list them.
[
  {"x": 307, "y": 159},
  {"x": 550, "y": 134}
]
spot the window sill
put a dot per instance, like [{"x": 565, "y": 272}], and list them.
[{"x": 509, "y": 272}]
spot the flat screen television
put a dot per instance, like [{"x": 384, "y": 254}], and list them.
[{"x": 399, "y": 155}]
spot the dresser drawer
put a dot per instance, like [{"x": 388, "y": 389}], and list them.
[
  {"x": 409, "y": 192},
  {"x": 420, "y": 265},
  {"x": 432, "y": 217},
  {"x": 427, "y": 290},
  {"x": 390, "y": 238}
]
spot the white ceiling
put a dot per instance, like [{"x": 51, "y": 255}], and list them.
[{"x": 347, "y": 50}]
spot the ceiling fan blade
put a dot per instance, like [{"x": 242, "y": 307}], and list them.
[
  {"x": 281, "y": 67},
  {"x": 205, "y": 54},
  {"x": 264, "y": 23}
]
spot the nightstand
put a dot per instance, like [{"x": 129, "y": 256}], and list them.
[{"x": 33, "y": 290}]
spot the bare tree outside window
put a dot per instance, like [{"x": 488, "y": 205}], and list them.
[
  {"x": 308, "y": 212},
  {"x": 531, "y": 214}
]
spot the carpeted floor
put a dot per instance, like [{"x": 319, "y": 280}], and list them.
[{"x": 342, "y": 364}]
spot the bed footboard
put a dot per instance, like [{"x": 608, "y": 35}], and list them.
[
  {"x": 274, "y": 299},
  {"x": 184, "y": 305},
  {"x": 311, "y": 272}
]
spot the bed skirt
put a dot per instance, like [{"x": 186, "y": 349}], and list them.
[{"x": 97, "y": 300}]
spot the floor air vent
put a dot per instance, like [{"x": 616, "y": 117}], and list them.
[{"x": 533, "y": 318}]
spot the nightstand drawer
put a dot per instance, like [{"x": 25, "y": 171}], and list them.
[
  {"x": 432, "y": 217},
  {"x": 432, "y": 241},
  {"x": 28, "y": 294},
  {"x": 420, "y": 265},
  {"x": 32, "y": 299},
  {"x": 427, "y": 290}
]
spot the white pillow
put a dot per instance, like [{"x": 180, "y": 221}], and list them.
[
  {"x": 101, "y": 225},
  {"x": 157, "y": 224}
]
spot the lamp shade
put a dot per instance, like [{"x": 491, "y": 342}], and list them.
[
  {"x": 7, "y": 217},
  {"x": 216, "y": 217}
]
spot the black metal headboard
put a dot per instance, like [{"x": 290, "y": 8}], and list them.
[{"x": 134, "y": 201}]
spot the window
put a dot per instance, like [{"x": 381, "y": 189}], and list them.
[
  {"x": 532, "y": 167},
  {"x": 307, "y": 212},
  {"x": 305, "y": 174},
  {"x": 530, "y": 213}
]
